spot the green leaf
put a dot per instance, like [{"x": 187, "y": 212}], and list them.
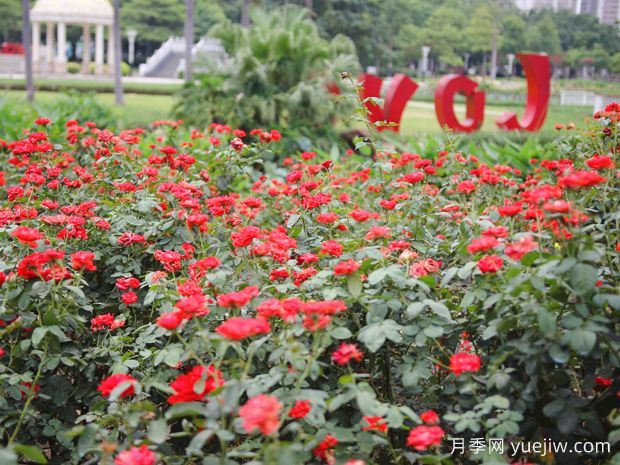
[
  {"x": 158, "y": 431},
  {"x": 377, "y": 276},
  {"x": 186, "y": 409},
  {"x": 292, "y": 220},
  {"x": 354, "y": 283},
  {"x": 341, "y": 399},
  {"x": 415, "y": 309},
  {"x": 581, "y": 340},
  {"x": 87, "y": 439},
  {"x": 439, "y": 309},
  {"x": 554, "y": 408},
  {"x": 340, "y": 332},
  {"x": 7, "y": 457},
  {"x": 546, "y": 321},
  {"x": 31, "y": 453},
  {"x": 198, "y": 442},
  {"x": 372, "y": 336},
  {"x": 38, "y": 334},
  {"x": 583, "y": 278}
]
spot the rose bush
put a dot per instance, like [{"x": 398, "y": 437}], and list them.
[{"x": 167, "y": 300}]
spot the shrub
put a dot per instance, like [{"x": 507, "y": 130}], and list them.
[
  {"x": 16, "y": 114},
  {"x": 74, "y": 68},
  {"x": 164, "y": 302}
]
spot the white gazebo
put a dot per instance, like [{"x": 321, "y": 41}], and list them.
[{"x": 56, "y": 15}]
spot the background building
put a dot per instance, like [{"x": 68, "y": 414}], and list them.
[{"x": 607, "y": 11}]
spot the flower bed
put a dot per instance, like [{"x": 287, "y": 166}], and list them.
[{"x": 167, "y": 300}]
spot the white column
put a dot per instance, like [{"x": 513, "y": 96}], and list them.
[
  {"x": 61, "y": 56},
  {"x": 49, "y": 47},
  {"x": 99, "y": 49},
  {"x": 111, "y": 49},
  {"x": 85, "y": 48},
  {"x": 36, "y": 46}
]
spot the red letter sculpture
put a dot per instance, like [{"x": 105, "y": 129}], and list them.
[
  {"x": 400, "y": 91},
  {"x": 537, "y": 69},
  {"x": 445, "y": 91}
]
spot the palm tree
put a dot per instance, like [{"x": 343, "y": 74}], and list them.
[
  {"x": 189, "y": 38},
  {"x": 282, "y": 65},
  {"x": 118, "y": 83},
  {"x": 26, "y": 39}
]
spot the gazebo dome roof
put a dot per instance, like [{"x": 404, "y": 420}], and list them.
[{"x": 73, "y": 11}]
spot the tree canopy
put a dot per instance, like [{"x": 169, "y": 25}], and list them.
[{"x": 387, "y": 33}]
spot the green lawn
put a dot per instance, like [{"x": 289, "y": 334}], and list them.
[
  {"x": 139, "y": 109},
  {"x": 419, "y": 117},
  {"x": 91, "y": 85}
]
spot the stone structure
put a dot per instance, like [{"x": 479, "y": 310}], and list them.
[{"x": 54, "y": 16}]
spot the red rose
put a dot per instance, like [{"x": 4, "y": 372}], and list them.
[
  {"x": 323, "y": 452},
  {"x": 482, "y": 244},
  {"x": 423, "y": 437},
  {"x": 136, "y": 456},
  {"x": 375, "y": 424},
  {"x": 111, "y": 382},
  {"x": 429, "y": 417},
  {"x": 490, "y": 264},
  {"x": 600, "y": 162},
  {"x": 345, "y": 353},
  {"x": 261, "y": 413},
  {"x": 300, "y": 409},
  {"x": 185, "y": 385},
  {"x": 237, "y": 299},
  {"x": 238, "y": 328},
  {"x": 83, "y": 260},
  {"x": 345, "y": 268},
  {"x": 331, "y": 247},
  {"x": 580, "y": 179},
  {"x": 129, "y": 298},
  {"x": 463, "y": 362},
  {"x": 27, "y": 236},
  {"x": 170, "y": 320}
]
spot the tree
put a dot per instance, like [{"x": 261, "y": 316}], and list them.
[
  {"x": 208, "y": 13},
  {"x": 155, "y": 20},
  {"x": 358, "y": 21},
  {"x": 482, "y": 35},
  {"x": 513, "y": 34},
  {"x": 443, "y": 32},
  {"x": 10, "y": 20},
  {"x": 543, "y": 36},
  {"x": 614, "y": 63}
]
